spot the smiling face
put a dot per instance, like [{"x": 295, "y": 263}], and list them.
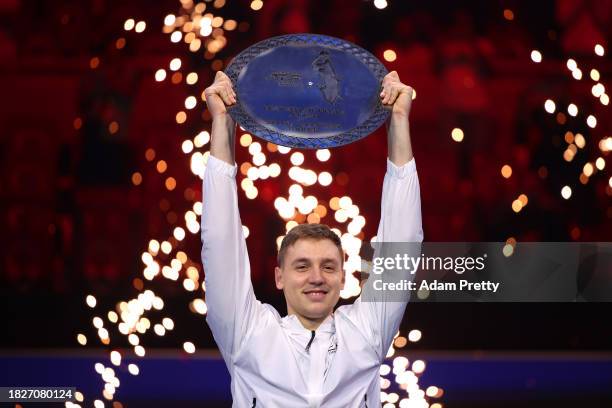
[{"x": 311, "y": 277}]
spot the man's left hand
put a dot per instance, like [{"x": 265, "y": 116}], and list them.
[{"x": 395, "y": 95}]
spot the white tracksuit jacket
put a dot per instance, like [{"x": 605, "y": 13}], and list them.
[{"x": 267, "y": 355}]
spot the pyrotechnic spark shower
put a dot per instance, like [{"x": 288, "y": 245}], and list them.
[{"x": 200, "y": 26}]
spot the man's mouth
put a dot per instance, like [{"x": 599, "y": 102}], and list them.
[{"x": 315, "y": 294}]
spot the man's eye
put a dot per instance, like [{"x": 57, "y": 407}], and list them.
[
  {"x": 329, "y": 268},
  {"x": 301, "y": 267}
]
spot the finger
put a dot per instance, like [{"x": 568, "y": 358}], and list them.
[
  {"x": 385, "y": 100},
  {"x": 389, "y": 99},
  {"x": 222, "y": 92},
  {"x": 391, "y": 77},
  {"x": 209, "y": 93},
  {"x": 230, "y": 92},
  {"x": 393, "y": 96},
  {"x": 230, "y": 98},
  {"x": 230, "y": 86},
  {"x": 222, "y": 79},
  {"x": 214, "y": 89},
  {"x": 220, "y": 75},
  {"x": 385, "y": 95},
  {"x": 408, "y": 91},
  {"x": 227, "y": 84}
]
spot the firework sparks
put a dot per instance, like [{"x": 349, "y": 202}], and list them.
[{"x": 201, "y": 29}]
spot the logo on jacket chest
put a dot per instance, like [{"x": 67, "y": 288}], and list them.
[
  {"x": 333, "y": 347},
  {"x": 331, "y": 351}
]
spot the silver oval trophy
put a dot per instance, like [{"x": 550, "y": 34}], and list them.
[{"x": 307, "y": 91}]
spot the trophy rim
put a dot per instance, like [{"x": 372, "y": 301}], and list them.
[{"x": 377, "y": 117}]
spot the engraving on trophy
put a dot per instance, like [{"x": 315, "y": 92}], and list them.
[
  {"x": 284, "y": 78},
  {"x": 330, "y": 83},
  {"x": 305, "y": 113},
  {"x": 312, "y": 127}
]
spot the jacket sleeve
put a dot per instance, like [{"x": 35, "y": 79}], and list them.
[
  {"x": 232, "y": 307},
  {"x": 400, "y": 222}
]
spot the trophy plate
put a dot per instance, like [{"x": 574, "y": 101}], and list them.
[{"x": 307, "y": 91}]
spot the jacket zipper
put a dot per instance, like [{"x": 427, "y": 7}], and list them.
[
  {"x": 312, "y": 336},
  {"x": 365, "y": 400},
  {"x": 254, "y": 402}
]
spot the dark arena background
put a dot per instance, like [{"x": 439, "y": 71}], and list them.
[{"x": 104, "y": 135}]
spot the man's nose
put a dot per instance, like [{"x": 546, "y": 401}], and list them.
[{"x": 316, "y": 275}]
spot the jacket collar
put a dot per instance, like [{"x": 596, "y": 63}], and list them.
[{"x": 292, "y": 323}]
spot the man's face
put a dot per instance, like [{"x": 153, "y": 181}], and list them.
[{"x": 311, "y": 278}]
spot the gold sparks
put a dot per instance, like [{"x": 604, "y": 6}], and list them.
[
  {"x": 200, "y": 28},
  {"x": 457, "y": 135}
]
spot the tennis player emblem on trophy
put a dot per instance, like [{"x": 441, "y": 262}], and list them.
[
  {"x": 307, "y": 91},
  {"x": 330, "y": 84}
]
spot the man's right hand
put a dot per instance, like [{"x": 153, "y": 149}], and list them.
[{"x": 219, "y": 95}]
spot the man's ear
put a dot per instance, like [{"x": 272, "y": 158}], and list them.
[
  {"x": 342, "y": 279},
  {"x": 278, "y": 278}
]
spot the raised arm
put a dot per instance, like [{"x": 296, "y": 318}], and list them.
[
  {"x": 229, "y": 292},
  {"x": 223, "y": 132},
  {"x": 400, "y": 213},
  {"x": 398, "y": 97},
  {"x": 400, "y": 219}
]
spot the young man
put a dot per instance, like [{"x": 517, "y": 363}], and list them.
[{"x": 314, "y": 356}]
